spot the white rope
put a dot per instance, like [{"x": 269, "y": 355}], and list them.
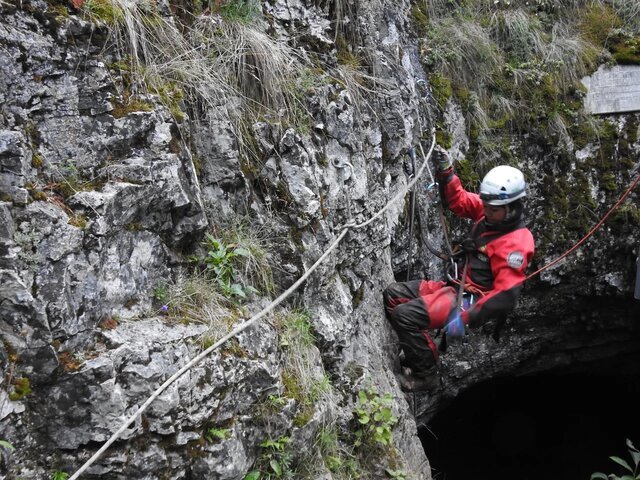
[{"x": 248, "y": 323}]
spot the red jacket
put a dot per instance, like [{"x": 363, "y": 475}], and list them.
[{"x": 498, "y": 256}]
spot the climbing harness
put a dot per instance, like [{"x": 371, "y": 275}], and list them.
[{"x": 240, "y": 328}]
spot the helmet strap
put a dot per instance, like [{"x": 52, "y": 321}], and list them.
[{"x": 514, "y": 211}]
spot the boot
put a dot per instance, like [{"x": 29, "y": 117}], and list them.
[{"x": 419, "y": 383}]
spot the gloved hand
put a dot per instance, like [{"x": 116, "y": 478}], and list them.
[
  {"x": 455, "y": 325},
  {"x": 441, "y": 159}
]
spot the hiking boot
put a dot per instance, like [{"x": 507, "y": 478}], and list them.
[
  {"x": 404, "y": 363},
  {"x": 414, "y": 383}
]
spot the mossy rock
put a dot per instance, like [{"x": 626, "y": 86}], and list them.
[{"x": 625, "y": 49}]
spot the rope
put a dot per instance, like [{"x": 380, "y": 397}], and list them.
[
  {"x": 590, "y": 233},
  {"x": 248, "y": 323}
]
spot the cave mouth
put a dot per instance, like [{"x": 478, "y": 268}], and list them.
[{"x": 560, "y": 425}]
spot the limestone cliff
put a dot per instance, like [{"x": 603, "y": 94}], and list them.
[{"x": 112, "y": 170}]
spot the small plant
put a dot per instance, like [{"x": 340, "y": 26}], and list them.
[
  {"x": 398, "y": 474},
  {"x": 5, "y": 452},
  {"x": 213, "y": 434},
  {"x": 276, "y": 401},
  {"x": 275, "y": 461},
  {"x": 241, "y": 11},
  {"x": 375, "y": 418},
  {"x": 58, "y": 475},
  {"x": 220, "y": 262},
  {"x": 635, "y": 471},
  {"x": 339, "y": 460},
  {"x": 161, "y": 293}
]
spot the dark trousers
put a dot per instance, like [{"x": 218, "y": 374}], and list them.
[{"x": 407, "y": 313}]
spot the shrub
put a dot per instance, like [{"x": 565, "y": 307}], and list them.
[
  {"x": 375, "y": 418},
  {"x": 634, "y": 471}
]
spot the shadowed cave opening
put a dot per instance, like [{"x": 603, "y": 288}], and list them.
[{"x": 553, "y": 425}]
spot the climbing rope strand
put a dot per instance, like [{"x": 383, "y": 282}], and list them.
[
  {"x": 206, "y": 352},
  {"x": 403, "y": 192},
  {"x": 443, "y": 224},
  {"x": 591, "y": 232}
]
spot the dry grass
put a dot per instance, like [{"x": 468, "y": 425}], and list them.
[
  {"x": 465, "y": 52},
  {"x": 557, "y": 129},
  {"x": 517, "y": 32},
  {"x": 219, "y": 65},
  {"x": 568, "y": 56},
  {"x": 514, "y": 55}
]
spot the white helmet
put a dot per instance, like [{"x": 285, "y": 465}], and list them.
[{"x": 502, "y": 185}]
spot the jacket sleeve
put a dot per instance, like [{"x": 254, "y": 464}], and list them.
[
  {"x": 462, "y": 203},
  {"x": 509, "y": 257}
]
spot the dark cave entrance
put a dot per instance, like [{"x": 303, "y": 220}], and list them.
[{"x": 560, "y": 425}]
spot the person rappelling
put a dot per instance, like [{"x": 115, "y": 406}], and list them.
[{"x": 489, "y": 278}]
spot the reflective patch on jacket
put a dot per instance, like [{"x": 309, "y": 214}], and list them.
[{"x": 515, "y": 260}]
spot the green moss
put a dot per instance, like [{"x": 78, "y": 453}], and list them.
[
  {"x": 625, "y": 219},
  {"x": 420, "y": 18},
  {"x": 291, "y": 385},
  {"x": 358, "y": 296},
  {"x": 129, "y": 105},
  {"x": 36, "y": 160},
  {"x": 72, "y": 184},
  {"x": 283, "y": 194},
  {"x": 625, "y": 49},
  {"x": 344, "y": 55},
  {"x": 234, "y": 349},
  {"x": 59, "y": 10},
  {"x": 105, "y": 11},
  {"x": 443, "y": 139},
  {"x": 467, "y": 173},
  {"x": 596, "y": 23},
  {"x": 21, "y": 387},
  {"x": 461, "y": 93},
  {"x": 197, "y": 164},
  {"x": 441, "y": 89},
  {"x": 79, "y": 221},
  {"x": 36, "y": 194},
  {"x": 133, "y": 227},
  {"x": 12, "y": 353},
  {"x": 582, "y": 134},
  {"x": 171, "y": 96},
  {"x": 31, "y": 130},
  {"x": 304, "y": 416}
]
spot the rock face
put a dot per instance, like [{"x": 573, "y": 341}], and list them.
[{"x": 98, "y": 207}]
